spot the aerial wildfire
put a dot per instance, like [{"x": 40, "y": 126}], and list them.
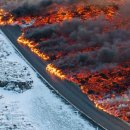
[{"x": 88, "y": 44}]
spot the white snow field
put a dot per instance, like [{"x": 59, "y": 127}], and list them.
[{"x": 37, "y": 108}]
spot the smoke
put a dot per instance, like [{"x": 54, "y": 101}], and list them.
[
  {"x": 92, "y": 50},
  {"x": 44, "y": 32},
  {"x": 77, "y": 36},
  {"x": 105, "y": 2},
  {"x": 32, "y": 8},
  {"x": 125, "y": 10},
  {"x": 28, "y": 8}
]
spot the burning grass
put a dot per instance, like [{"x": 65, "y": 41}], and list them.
[
  {"x": 32, "y": 45},
  {"x": 85, "y": 44},
  {"x": 53, "y": 70},
  {"x": 5, "y": 18}
]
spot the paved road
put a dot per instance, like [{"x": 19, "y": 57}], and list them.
[{"x": 68, "y": 90}]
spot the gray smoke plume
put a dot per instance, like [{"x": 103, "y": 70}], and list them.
[
  {"x": 31, "y": 7},
  {"x": 75, "y": 36},
  {"x": 113, "y": 45},
  {"x": 37, "y": 33}
]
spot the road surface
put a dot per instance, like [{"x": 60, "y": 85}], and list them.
[{"x": 68, "y": 90}]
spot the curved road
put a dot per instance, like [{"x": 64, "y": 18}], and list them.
[{"x": 68, "y": 90}]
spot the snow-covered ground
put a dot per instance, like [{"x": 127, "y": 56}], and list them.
[{"x": 37, "y": 108}]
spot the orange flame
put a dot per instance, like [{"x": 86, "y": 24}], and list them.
[
  {"x": 32, "y": 46},
  {"x": 53, "y": 70},
  {"x": 6, "y": 18}
]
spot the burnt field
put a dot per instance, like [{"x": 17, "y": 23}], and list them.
[{"x": 85, "y": 42}]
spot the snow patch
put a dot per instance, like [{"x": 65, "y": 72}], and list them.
[{"x": 37, "y": 108}]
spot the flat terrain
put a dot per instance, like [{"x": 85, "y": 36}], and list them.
[
  {"x": 35, "y": 108},
  {"x": 71, "y": 92}
]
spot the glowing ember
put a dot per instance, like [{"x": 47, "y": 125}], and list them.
[{"x": 58, "y": 14}]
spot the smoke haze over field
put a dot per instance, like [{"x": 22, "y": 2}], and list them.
[
  {"x": 85, "y": 41},
  {"x": 26, "y": 6},
  {"x": 89, "y": 34}
]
